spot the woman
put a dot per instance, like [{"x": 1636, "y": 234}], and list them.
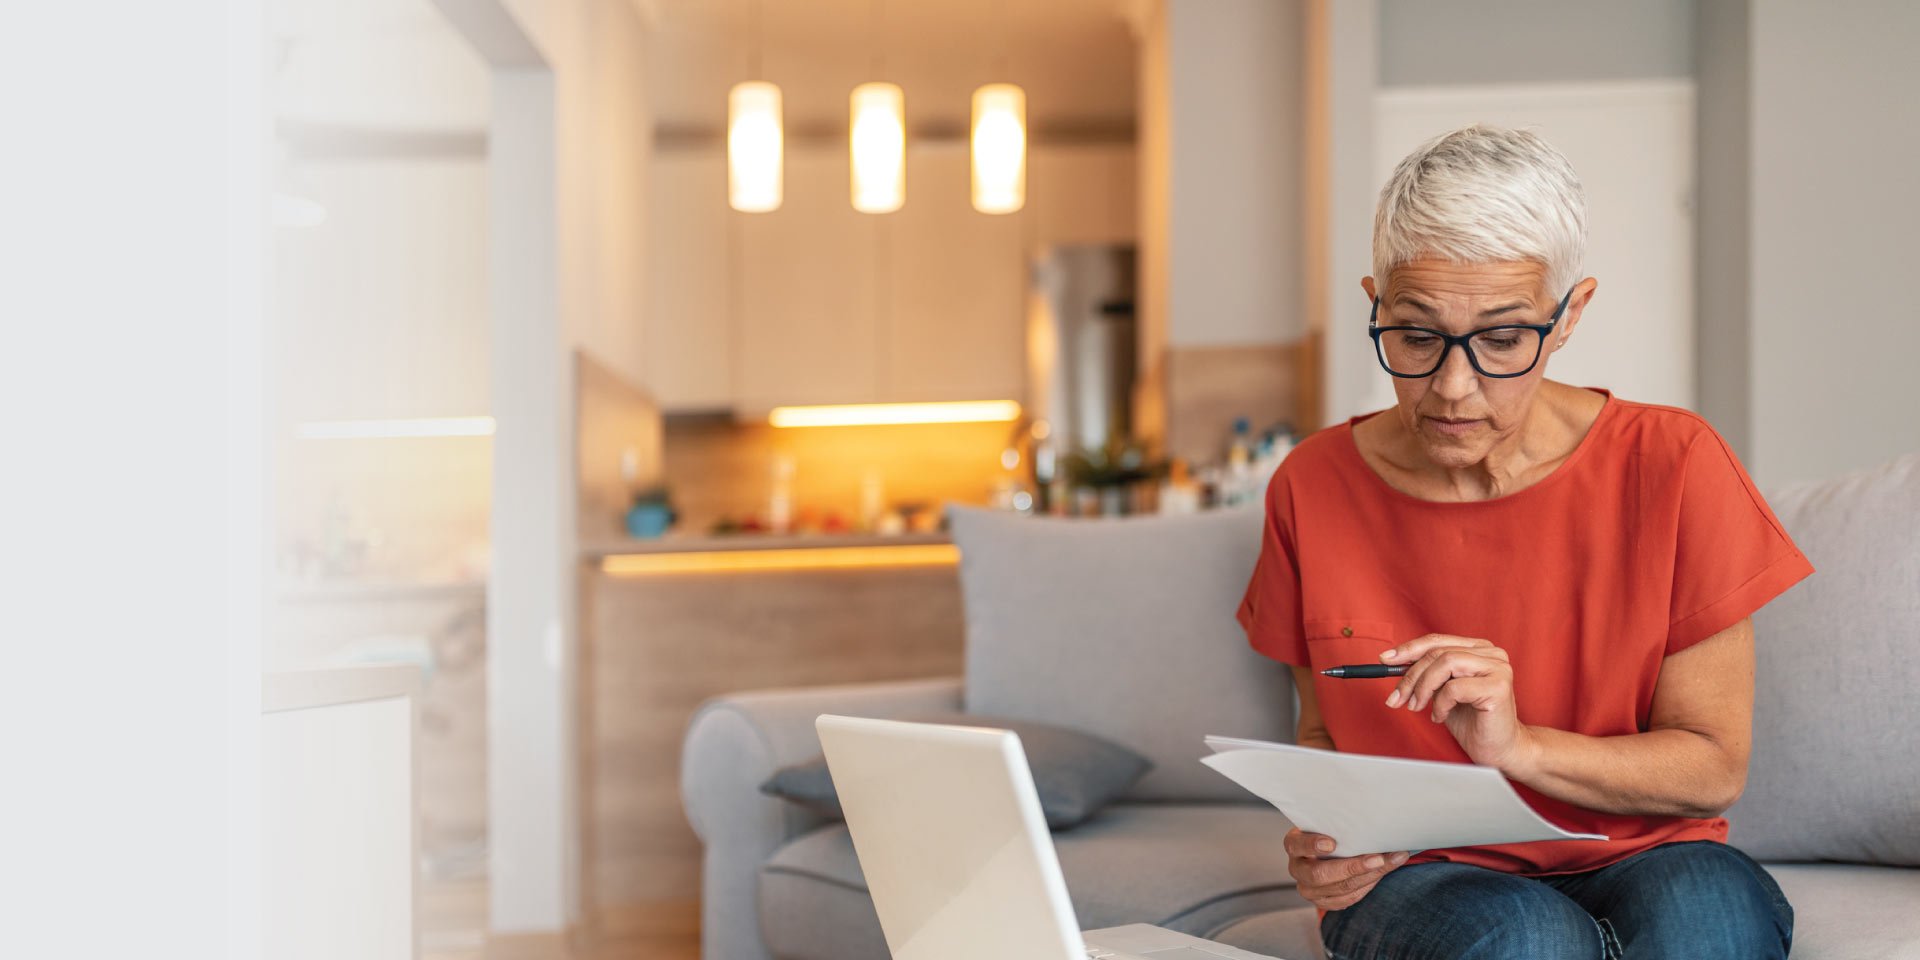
[{"x": 1568, "y": 575}]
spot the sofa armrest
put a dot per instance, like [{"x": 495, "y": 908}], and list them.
[{"x": 733, "y": 744}]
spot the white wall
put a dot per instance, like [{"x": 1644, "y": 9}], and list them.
[
  {"x": 1234, "y": 255},
  {"x": 1723, "y": 242},
  {"x": 1344, "y": 38},
  {"x": 1834, "y": 206},
  {"x": 597, "y": 50},
  {"x": 570, "y": 142},
  {"x": 130, "y": 401},
  {"x": 1444, "y": 42},
  {"x": 533, "y": 828}
]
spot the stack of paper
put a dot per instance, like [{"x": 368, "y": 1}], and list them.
[{"x": 1383, "y": 804}]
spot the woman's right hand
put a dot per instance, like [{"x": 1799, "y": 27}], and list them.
[{"x": 1334, "y": 883}]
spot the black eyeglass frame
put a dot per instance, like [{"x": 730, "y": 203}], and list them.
[{"x": 1374, "y": 330}]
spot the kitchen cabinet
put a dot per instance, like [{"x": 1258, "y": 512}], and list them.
[
  {"x": 687, "y": 341},
  {"x": 819, "y": 303},
  {"x": 955, "y": 281},
  {"x": 1082, "y": 194},
  {"x": 806, "y": 279}
]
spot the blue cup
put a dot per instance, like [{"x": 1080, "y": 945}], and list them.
[{"x": 649, "y": 520}]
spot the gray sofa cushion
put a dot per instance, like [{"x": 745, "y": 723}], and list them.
[
  {"x": 1187, "y": 867},
  {"x": 1835, "y": 773},
  {"x": 1123, "y": 628},
  {"x": 1844, "y": 912},
  {"x": 1075, "y": 773}
]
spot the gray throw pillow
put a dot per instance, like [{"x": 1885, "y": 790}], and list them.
[
  {"x": 1075, "y": 773},
  {"x": 1124, "y": 627},
  {"x": 1834, "y": 710}
]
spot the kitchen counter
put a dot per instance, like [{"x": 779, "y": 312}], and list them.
[
  {"x": 696, "y": 543},
  {"x": 667, "y": 624}
]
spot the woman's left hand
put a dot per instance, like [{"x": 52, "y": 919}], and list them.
[{"x": 1468, "y": 685}]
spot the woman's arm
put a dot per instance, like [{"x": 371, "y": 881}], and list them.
[
  {"x": 1311, "y": 731},
  {"x": 1691, "y": 762}
]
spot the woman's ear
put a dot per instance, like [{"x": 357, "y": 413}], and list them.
[
  {"x": 1576, "y": 304},
  {"x": 1366, "y": 283}
]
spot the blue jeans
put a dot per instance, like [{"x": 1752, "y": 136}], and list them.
[{"x": 1696, "y": 899}]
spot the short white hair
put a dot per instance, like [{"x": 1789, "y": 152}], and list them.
[{"x": 1483, "y": 194}]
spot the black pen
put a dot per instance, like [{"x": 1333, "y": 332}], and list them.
[{"x": 1365, "y": 671}]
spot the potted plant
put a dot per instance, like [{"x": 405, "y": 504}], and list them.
[{"x": 1103, "y": 475}]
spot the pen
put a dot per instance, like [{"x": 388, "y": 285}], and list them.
[{"x": 1365, "y": 671}]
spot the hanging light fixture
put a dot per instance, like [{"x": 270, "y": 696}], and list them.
[
  {"x": 878, "y": 140},
  {"x": 755, "y": 140},
  {"x": 999, "y": 148},
  {"x": 999, "y": 135},
  {"x": 877, "y": 134}
]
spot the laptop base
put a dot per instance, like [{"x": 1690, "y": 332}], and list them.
[{"x": 1144, "y": 941}]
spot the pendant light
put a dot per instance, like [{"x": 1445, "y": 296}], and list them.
[
  {"x": 755, "y": 140},
  {"x": 999, "y": 136},
  {"x": 877, "y": 138},
  {"x": 754, "y": 147},
  {"x": 999, "y": 148}
]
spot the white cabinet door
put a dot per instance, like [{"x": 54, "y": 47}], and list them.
[
  {"x": 807, "y": 291},
  {"x": 1082, "y": 194},
  {"x": 688, "y": 341},
  {"x": 954, "y": 286},
  {"x": 818, "y": 303}
]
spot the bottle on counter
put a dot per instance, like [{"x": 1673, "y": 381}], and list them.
[
  {"x": 1274, "y": 447},
  {"x": 873, "y": 501},
  {"x": 1239, "y": 463},
  {"x": 780, "y": 504},
  {"x": 1179, "y": 492}
]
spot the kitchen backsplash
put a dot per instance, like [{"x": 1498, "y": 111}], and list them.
[{"x": 716, "y": 468}]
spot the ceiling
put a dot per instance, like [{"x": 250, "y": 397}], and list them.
[{"x": 1075, "y": 58}]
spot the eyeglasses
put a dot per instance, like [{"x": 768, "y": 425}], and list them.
[{"x": 1508, "y": 350}]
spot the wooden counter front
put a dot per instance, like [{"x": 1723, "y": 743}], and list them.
[{"x": 657, "y": 644}]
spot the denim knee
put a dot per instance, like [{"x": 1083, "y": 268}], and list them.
[
  {"x": 1698, "y": 899},
  {"x": 1446, "y": 910}
]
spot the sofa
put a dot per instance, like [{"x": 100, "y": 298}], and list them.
[{"x": 1124, "y": 628}]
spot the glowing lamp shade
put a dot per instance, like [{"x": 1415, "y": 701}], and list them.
[
  {"x": 999, "y": 148},
  {"x": 878, "y": 139},
  {"x": 753, "y": 147}
]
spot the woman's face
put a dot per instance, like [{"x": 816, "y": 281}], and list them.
[{"x": 1456, "y": 414}]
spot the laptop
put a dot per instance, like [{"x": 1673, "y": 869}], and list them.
[{"x": 947, "y": 826}]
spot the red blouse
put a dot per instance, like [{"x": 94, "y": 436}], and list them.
[{"x": 1649, "y": 538}]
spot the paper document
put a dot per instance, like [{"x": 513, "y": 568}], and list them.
[{"x": 1383, "y": 804}]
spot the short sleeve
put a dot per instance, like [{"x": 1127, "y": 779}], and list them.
[
  {"x": 1731, "y": 555},
  {"x": 1270, "y": 609}
]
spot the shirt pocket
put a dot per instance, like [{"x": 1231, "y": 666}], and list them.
[{"x": 1336, "y": 643}]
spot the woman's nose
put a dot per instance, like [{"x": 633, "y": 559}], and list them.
[{"x": 1456, "y": 377}]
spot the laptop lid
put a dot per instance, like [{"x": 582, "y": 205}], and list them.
[{"x": 951, "y": 840}]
